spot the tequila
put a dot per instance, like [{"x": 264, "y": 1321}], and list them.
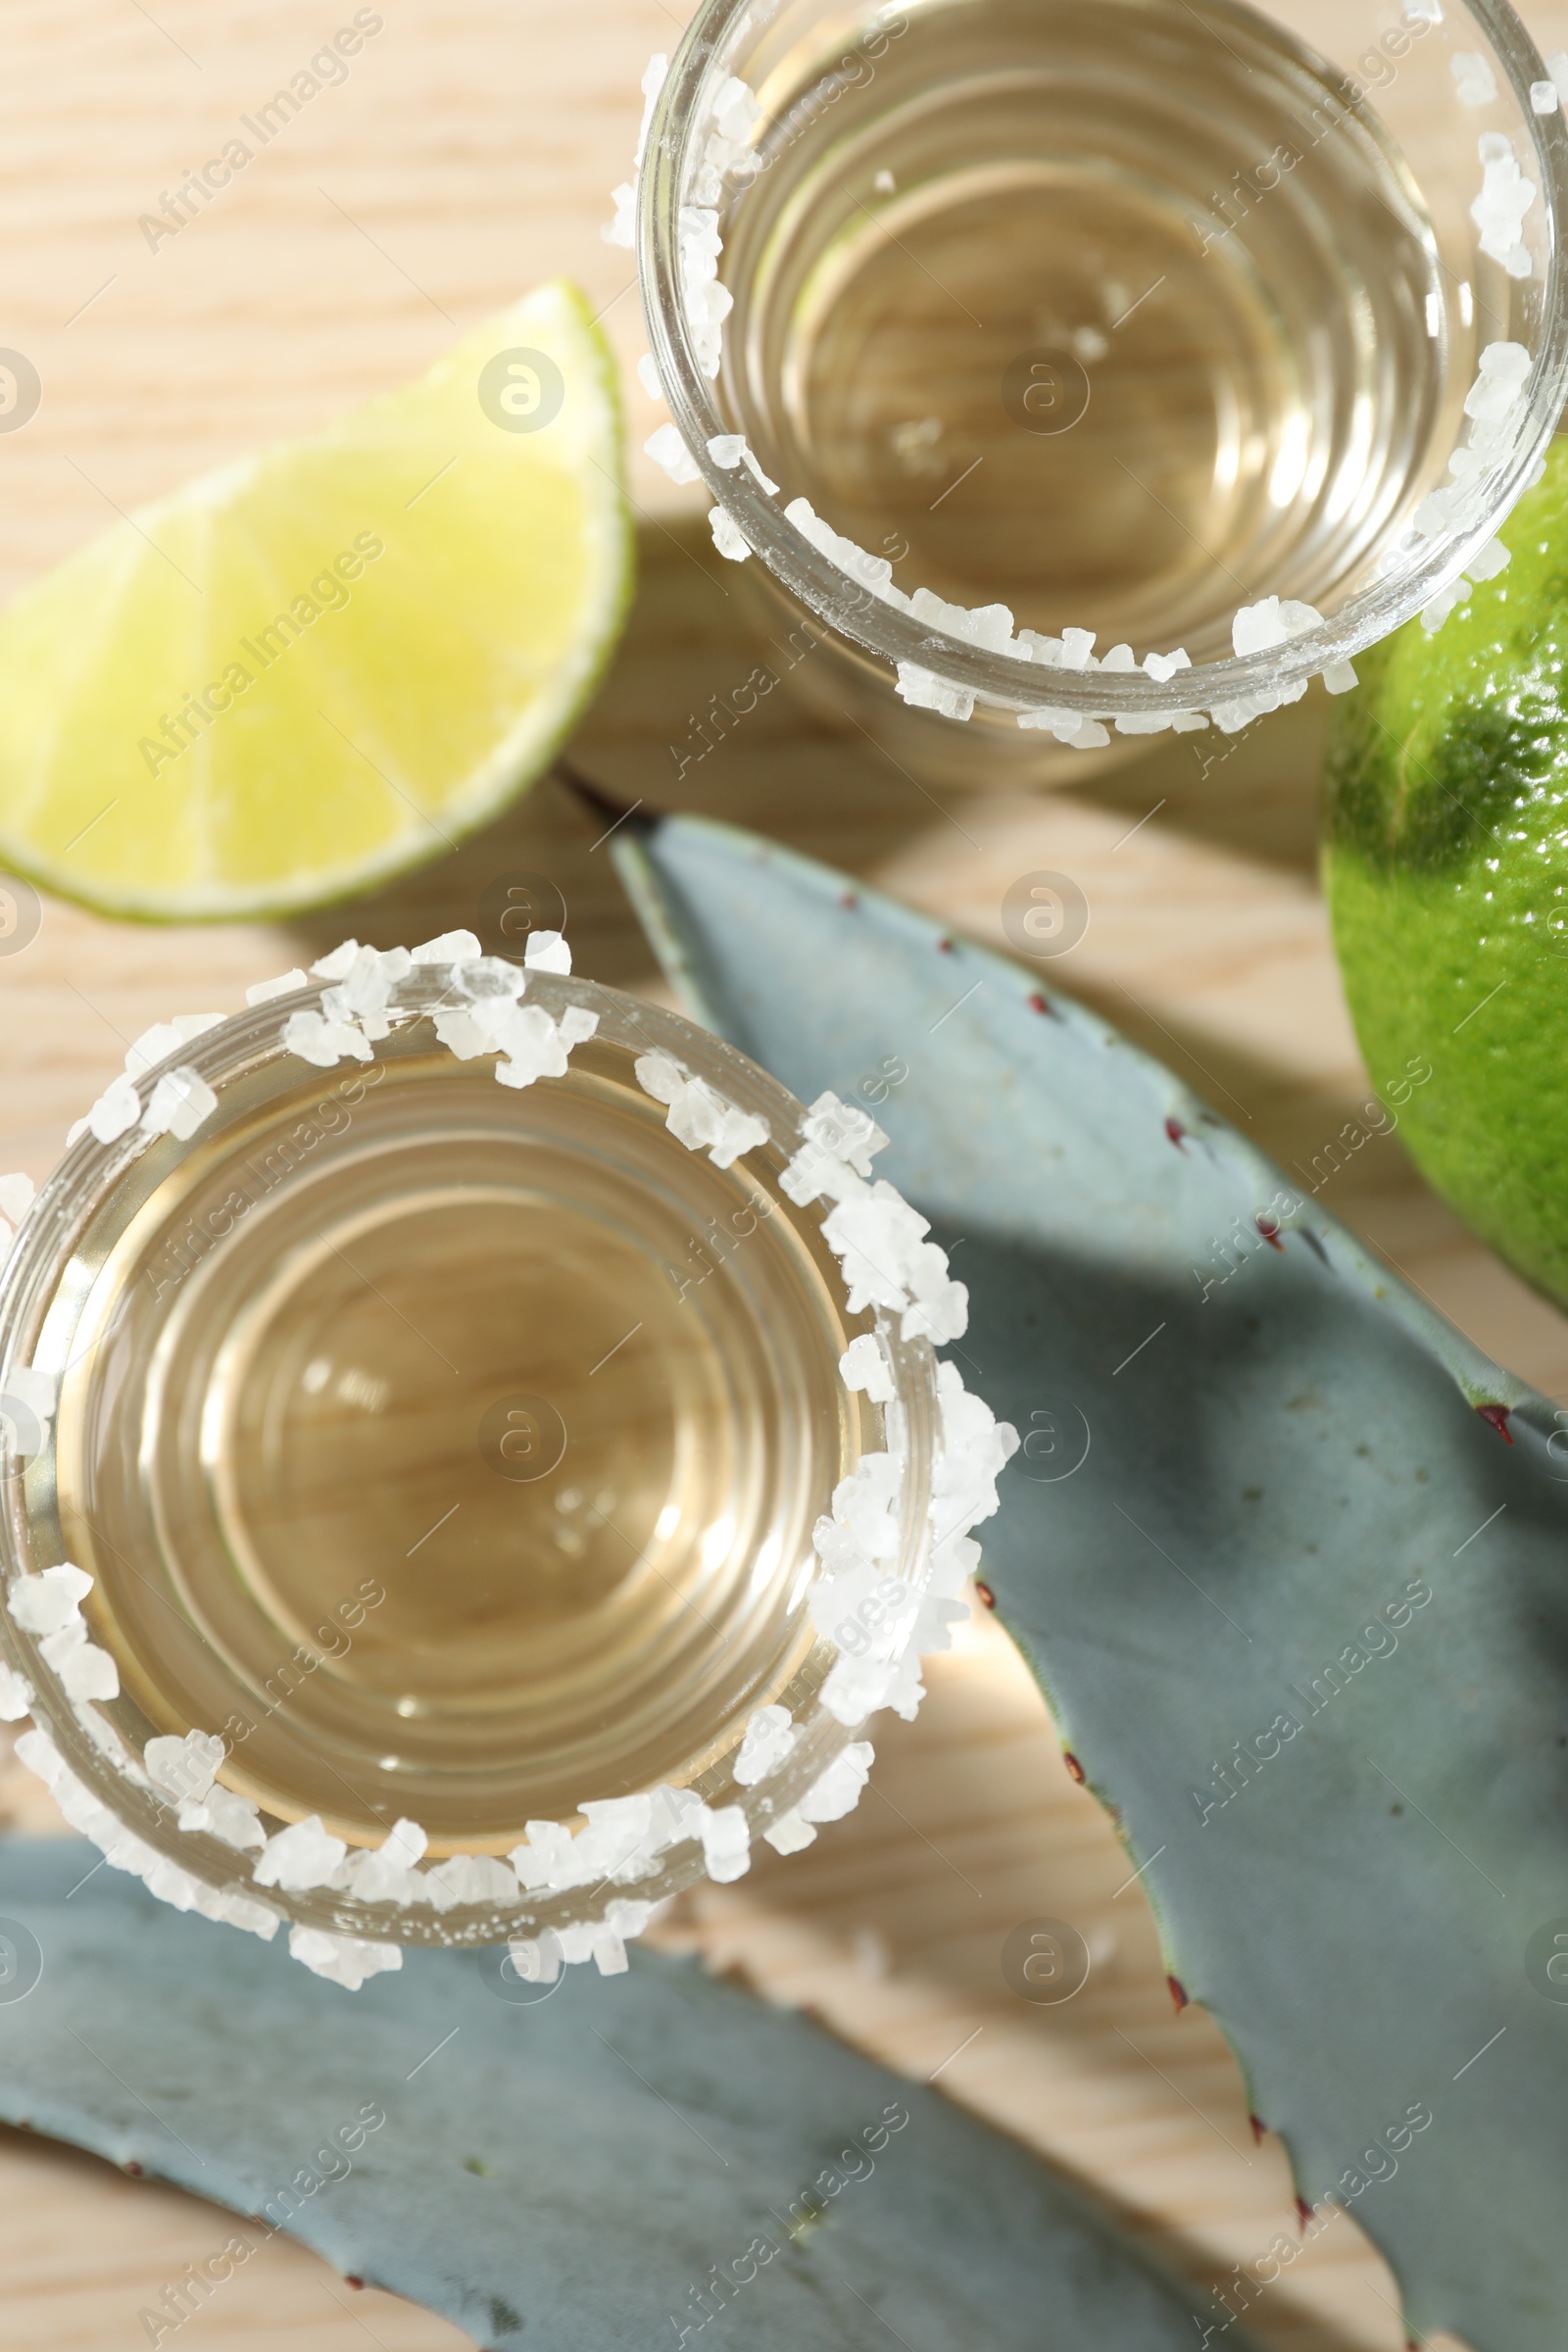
[
  {"x": 1107, "y": 361},
  {"x": 1120, "y": 315},
  {"x": 450, "y": 1451}
]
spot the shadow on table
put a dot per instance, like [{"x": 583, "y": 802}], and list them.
[
  {"x": 662, "y": 731},
  {"x": 652, "y": 736}
]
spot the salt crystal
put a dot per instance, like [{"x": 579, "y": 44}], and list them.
[
  {"x": 1257, "y": 628},
  {"x": 849, "y": 1133},
  {"x": 85, "y": 1671},
  {"x": 838, "y": 1791},
  {"x": 284, "y": 985},
  {"x": 490, "y": 977},
  {"x": 116, "y": 1108},
  {"x": 615, "y": 1834},
  {"x": 729, "y": 450},
  {"x": 384, "y": 1874},
  {"x": 855, "y": 1689},
  {"x": 179, "y": 1104},
  {"x": 814, "y": 1175},
  {"x": 577, "y": 1025},
  {"x": 648, "y": 376},
  {"x": 470, "y": 1879},
  {"x": 1165, "y": 666},
  {"x": 1474, "y": 81},
  {"x": 224, "y": 1814},
  {"x": 1046, "y": 650},
  {"x": 1557, "y": 68},
  {"x": 790, "y": 1833},
  {"x": 659, "y": 1074},
  {"x": 301, "y": 1856},
  {"x": 189, "y": 1025},
  {"x": 870, "y": 1236},
  {"x": 184, "y": 1768},
  {"x": 535, "y": 1048},
  {"x": 38, "y": 1753},
  {"x": 769, "y": 1737},
  {"x": 536, "y": 1960},
  {"x": 324, "y": 1043},
  {"x": 872, "y": 572},
  {"x": 365, "y": 990},
  {"x": 703, "y": 1117},
  {"x": 728, "y": 537},
  {"x": 621, "y": 229},
  {"x": 924, "y": 690},
  {"x": 1077, "y": 648},
  {"x": 453, "y": 947},
  {"x": 1340, "y": 677},
  {"x": 1120, "y": 657},
  {"x": 547, "y": 951},
  {"x": 15, "y": 1695},
  {"x": 1545, "y": 98},
  {"x": 940, "y": 1308},
  {"x": 154, "y": 1045},
  {"x": 727, "y": 1844},
  {"x": 1436, "y": 610},
  {"x": 346, "y": 1960},
  {"x": 863, "y": 1367},
  {"x": 544, "y": 1860},
  {"x": 240, "y": 1912},
  {"x": 338, "y": 964},
  {"x": 1153, "y": 722},
  {"x": 697, "y": 1115},
  {"x": 44, "y": 1604},
  {"x": 654, "y": 77},
  {"x": 461, "y": 1033},
  {"x": 735, "y": 109},
  {"x": 1507, "y": 362},
  {"x": 667, "y": 449},
  {"x": 1488, "y": 560},
  {"x": 990, "y": 625}
]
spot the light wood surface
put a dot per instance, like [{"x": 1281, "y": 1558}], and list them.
[{"x": 468, "y": 155}]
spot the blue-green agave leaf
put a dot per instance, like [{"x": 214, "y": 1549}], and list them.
[
  {"x": 1288, "y": 1556},
  {"x": 611, "y": 2163}
]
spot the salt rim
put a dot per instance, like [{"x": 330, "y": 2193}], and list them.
[
  {"x": 1498, "y": 213},
  {"x": 880, "y": 1625}
]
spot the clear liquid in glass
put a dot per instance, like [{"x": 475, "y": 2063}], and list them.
[
  {"x": 453, "y": 1452},
  {"x": 1117, "y": 315}
]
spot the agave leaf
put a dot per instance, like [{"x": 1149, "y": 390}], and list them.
[
  {"x": 564, "y": 2172},
  {"x": 1286, "y": 1449}
]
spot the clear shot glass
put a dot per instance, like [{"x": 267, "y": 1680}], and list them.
[
  {"x": 1119, "y": 367},
  {"x": 441, "y": 1453}
]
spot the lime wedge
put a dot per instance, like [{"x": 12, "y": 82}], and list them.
[{"x": 332, "y": 659}]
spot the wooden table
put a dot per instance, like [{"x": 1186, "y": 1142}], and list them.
[{"x": 468, "y": 155}]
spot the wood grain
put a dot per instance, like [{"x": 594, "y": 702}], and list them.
[{"x": 468, "y": 155}]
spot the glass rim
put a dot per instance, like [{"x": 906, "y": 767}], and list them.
[
  {"x": 85, "y": 1732},
  {"x": 896, "y": 637}
]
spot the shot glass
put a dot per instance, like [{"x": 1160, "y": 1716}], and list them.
[
  {"x": 1062, "y": 374},
  {"x": 403, "y": 1471}
]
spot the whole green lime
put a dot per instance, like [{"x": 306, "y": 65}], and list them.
[{"x": 1446, "y": 860}]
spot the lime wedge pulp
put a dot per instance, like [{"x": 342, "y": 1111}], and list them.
[{"x": 330, "y": 659}]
